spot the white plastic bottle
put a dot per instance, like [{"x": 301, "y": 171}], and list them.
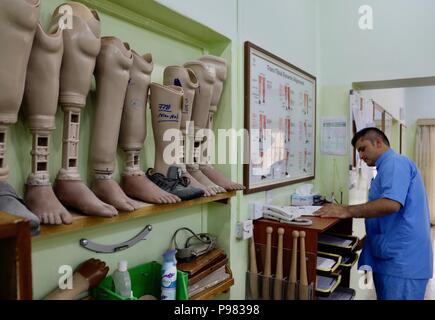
[
  {"x": 169, "y": 275},
  {"x": 121, "y": 280}
]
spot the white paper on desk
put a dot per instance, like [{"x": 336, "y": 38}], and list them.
[
  {"x": 325, "y": 263},
  {"x": 335, "y": 240},
  {"x": 302, "y": 210}
]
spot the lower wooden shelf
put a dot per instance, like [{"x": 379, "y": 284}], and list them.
[
  {"x": 81, "y": 222},
  {"x": 212, "y": 292}
]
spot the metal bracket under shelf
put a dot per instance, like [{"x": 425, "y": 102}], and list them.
[{"x": 104, "y": 248}]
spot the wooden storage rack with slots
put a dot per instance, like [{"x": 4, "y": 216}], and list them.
[{"x": 319, "y": 226}]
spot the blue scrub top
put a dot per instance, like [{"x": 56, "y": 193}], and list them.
[{"x": 399, "y": 244}]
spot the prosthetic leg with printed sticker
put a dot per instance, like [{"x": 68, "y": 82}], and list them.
[
  {"x": 214, "y": 175},
  {"x": 81, "y": 46},
  {"x": 133, "y": 133},
  {"x": 40, "y": 104},
  {"x": 18, "y": 21},
  {"x": 166, "y": 103},
  {"x": 112, "y": 73},
  {"x": 186, "y": 78},
  {"x": 201, "y": 103}
]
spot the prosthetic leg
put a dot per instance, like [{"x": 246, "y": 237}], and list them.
[
  {"x": 166, "y": 102},
  {"x": 112, "y": 75},
  {"x": 40, "y": 101},
  {"x": 220, "y": 66},
  {"x": 186, "y": 78},
  {"x": 201, "y": 104},
  {"x": 18, "y": 21},
  {"x": 81, "y": 47},
  {"x": 133, "y": 133}
]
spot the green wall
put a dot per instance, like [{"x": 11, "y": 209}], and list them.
[{"x": 320, "y": 37}]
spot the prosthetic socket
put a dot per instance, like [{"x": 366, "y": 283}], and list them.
[
  {"x": 18, "y": 20},
  {"x": 81, "y": 46},
  {"x": 133, "y": 124}
]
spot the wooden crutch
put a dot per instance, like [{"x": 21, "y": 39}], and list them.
[
  {"x": 277, "y": 288},
  {"x": 303, "y": 283},
  {"x": 291, "y": 290},
  {"x": 267, "y": 264}
]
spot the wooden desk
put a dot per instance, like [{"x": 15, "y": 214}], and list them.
[{"x": 319, "y": 226}]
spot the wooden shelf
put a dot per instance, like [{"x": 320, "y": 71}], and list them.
[
  {"x": 212, "y": 292},
  {"x": 81, "y": 222}
]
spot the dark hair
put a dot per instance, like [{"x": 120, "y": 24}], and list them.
[{"x": 370, "y": 133}]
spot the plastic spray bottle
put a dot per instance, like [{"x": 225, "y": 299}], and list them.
[
  {"x": 121, "y": 280},
  {"x": 169, "y": 275}
]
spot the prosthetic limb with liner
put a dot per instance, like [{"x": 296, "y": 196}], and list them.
[
  {"x": 18, "y": 21},
  {"x": 133, "y": 133},
  {"x": 186, "y": 78},
  {"x": 214, "y": 175},
  {"x": 112, "y": 73},
  {"x": 81, "y": 46},
  {"x": 40, "y": 104},
  {"x": 203, "y": 94},
  {"x": 166, "y": 102}
]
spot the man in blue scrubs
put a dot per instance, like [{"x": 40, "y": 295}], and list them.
[{"x": 397, "y": 247}]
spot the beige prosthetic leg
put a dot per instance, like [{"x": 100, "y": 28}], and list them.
[
  {"x": 166, "y": 103},
  {"x": 186, "y": 78},
  {"x": 40, "y": 101},
  {"x": 112, "y": 75},
  {"x": 201, "y": 104},
  {"x": 81, "y": 47},
  {"x": 220, "y": 66},
  {"x": 18, "y": 21},
  {"x": 133, "y": 133}
]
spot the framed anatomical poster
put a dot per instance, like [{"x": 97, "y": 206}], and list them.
[{"x": 280, "y": 117}]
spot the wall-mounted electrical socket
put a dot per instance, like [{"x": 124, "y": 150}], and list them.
[{"x": 244, "y": 230}]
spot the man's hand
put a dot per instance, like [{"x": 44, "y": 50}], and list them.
[{"x": 333, "y": 211}]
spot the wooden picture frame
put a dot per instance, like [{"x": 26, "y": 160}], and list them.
[{"x": 280, "y": 116}]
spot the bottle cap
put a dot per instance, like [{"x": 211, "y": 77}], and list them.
[{"x": 122, "y": 265}]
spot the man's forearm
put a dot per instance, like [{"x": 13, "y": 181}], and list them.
[{"x": 376, "y": 208}]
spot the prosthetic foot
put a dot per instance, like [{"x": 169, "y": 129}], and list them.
[
  {"x": 214, "y": 175},
  {"x": 81, "y": 47},
  {"x": 203, "y": 95},
  {"x": 18, "y": 21},
  {"x": 40, "y": 104},
  {"x": 112, "y": 74},
  {"x": 12, "y": 204},
  {"x": 186, "y": 78},
  {"x": 166, "y": 102},
  {"x": 133, "y": 133}
]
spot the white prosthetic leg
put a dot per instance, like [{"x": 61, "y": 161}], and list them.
[
  {"x": 166, "y": 103},
  {"x": 40, "y": 101},
  {"x": 81, "y": 47},
  {"x": 220, "y": 66},
  {"x": 133, "y": 133},
  {"x": 18, "y": 21},
  {"x": 201, "y": 104},
  {"x": 186, "y": 78},
  {"x": 112, "y": 73}
]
